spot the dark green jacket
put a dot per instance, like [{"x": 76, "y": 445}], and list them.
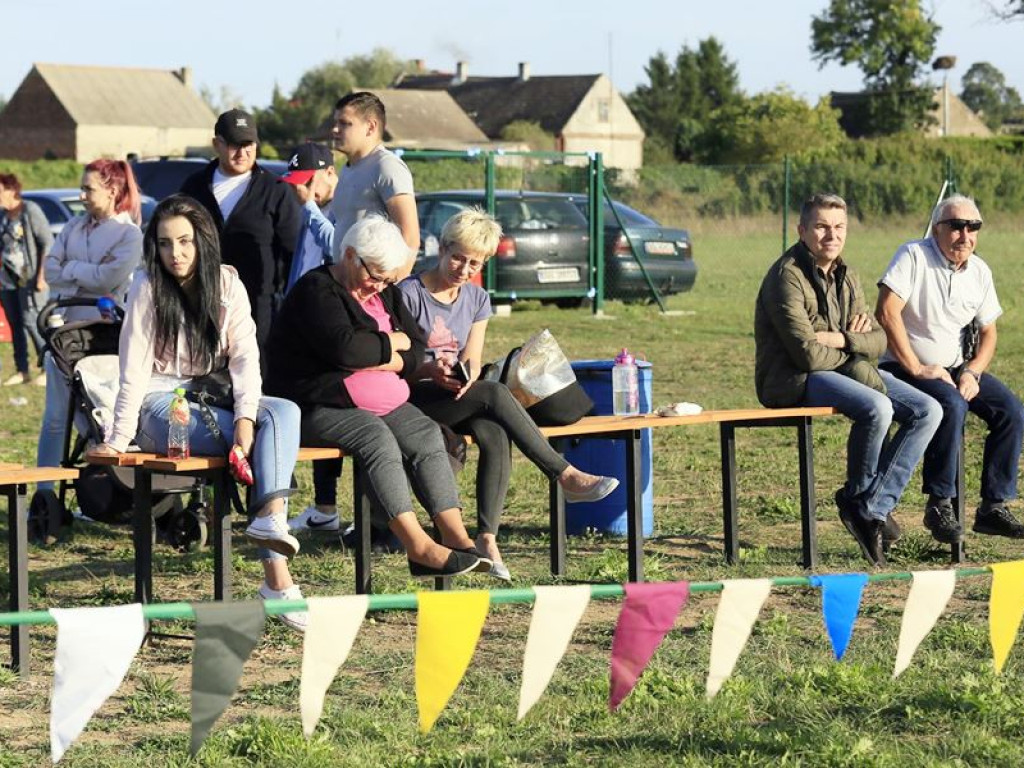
[{"x": 791, "y": 308}]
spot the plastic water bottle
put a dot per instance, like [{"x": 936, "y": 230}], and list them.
[
  {"x": 625, "y": 385},
  {"x": 177, "y": 427}
]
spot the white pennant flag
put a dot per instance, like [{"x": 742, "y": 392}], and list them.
[
  {"x": 556, "y": 612},
  {"x": 333, "y": 625},
  {"x": 737, "y": 611},
  {"x": 929, "y": 593},
  {"x": 95, "y": 647}
]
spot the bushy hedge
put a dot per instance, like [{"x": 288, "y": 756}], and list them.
[{"x": 42, "y": 174}]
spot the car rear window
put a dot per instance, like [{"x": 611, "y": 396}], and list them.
[
  {"x": 50, "y": 208},
  {"x": 539, "y": 213}
]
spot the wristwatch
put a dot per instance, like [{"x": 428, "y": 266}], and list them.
[{"x": 975, "y": 374}]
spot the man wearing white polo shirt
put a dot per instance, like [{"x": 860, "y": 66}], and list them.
[{"x": 932, "y": 296}]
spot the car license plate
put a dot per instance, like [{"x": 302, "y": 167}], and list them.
[
  {"x": 558, "y": 275},
  {"x": 660, "y": 248}
]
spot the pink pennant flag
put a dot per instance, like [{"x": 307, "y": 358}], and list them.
[{"x": 649, "y": 611}]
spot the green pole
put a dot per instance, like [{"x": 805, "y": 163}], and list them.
[
  {"x": 597, "y": 231},
  {"x": 785, "y": 204},
  {"x": 491, "y": 272},
  {"x": 410, "y": 602}
]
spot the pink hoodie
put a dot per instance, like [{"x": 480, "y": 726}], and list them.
[{"x": 138, "y": 360}]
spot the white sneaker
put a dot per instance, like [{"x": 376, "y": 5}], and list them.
[
  {"x": 272, "y": 532},
  {"x": 18, "y": 378},
  {"x": 312, "y": 519},
  {"x": 297, "y": 620}
]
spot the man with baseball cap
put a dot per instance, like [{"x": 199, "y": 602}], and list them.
[
  {"x": 313, "y": 178},
  {"x": 257, "y": 218}
]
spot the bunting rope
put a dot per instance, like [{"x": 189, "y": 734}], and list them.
[{"x": 409, "y": 601}]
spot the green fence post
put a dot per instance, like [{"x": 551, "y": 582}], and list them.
[
  {"x": 491, "y": 277},
  {"x": 597, "y": 231},
  {"x": 785, "y": 204}
]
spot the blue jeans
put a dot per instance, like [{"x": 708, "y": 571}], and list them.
[
  {"x": 274, "y": 449},
  {"x": 21, "y": 307},
  {"x": 877, "y": 469},
  {"x": 994, "y": 404},
  {"x": 50, "y": 448}
]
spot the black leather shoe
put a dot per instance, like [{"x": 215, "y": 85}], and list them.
[
  {"x": 940, "y": 519},
  {"x": 867, "y": 533},
  {"x": 485, "y": 561},
  {"x": 994, "y": 519},
  {"x": 457, "y": 564},
  {"x": 891, "y": 532}
]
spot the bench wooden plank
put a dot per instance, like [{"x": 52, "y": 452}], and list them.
[
  {"x": 36, "y": 475},
  {"x": 4, "y": 466},
  {"x": 132, "y": 459},
  {"x": 192, "y": 464}
]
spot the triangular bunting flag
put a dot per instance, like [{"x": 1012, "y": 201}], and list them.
[
  {"x": 929, "y": 593},
  {"x": 447, "y": 630},
  {"x": 840, "y": 603},
  {"x": 648, "y": 612},
  {"x": 333, "y": 625},
  {"x": 226, "y": 634},
  {"x": 737, "y": 611},
  {"x": 1005, "y": 608},
  {"x": 95, "y": 648},
  {"x": 556, "y": 612}
]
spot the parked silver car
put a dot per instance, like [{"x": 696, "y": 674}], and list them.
[{"x": 61, "y": 205}]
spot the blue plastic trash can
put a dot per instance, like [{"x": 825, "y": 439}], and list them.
[{"x": 603, "y": 456}]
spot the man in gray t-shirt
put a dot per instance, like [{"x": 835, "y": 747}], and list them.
[{"x": 375, "y": 181}]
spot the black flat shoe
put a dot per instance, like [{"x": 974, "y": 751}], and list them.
[
  {"x": 457, "y": 564},
  {"x": 485, "y": 562}
]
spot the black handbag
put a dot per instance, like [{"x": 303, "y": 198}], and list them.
[{"x": 213, "y": 390}]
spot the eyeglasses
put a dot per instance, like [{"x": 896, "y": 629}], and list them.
[
  {"x": 373, "y": 277},
  {"x": 959, "y": 225}
]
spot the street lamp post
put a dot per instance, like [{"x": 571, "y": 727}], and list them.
[{"x": 945, "y": 63}]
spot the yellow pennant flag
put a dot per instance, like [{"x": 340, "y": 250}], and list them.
[
  {"x": 1005, "y": 608},
  {"x": 448, "y": 627}
]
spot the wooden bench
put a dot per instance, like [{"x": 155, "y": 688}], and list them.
[
  {"x": 14, "y": 481},
  {"x": 627, "y": 428}
]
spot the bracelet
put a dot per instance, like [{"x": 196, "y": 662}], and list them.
[{"x": 975, "y": 374}]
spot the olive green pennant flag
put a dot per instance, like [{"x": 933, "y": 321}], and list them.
[{"x": 226, "y": 634}]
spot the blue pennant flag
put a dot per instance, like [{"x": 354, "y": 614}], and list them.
[{"x": 840, "y": 603}]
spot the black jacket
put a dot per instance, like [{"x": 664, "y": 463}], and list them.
[
  {"x": 258, "y": 239},
  {"x": 321, "y": 336}
]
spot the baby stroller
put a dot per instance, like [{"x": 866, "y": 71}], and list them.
[{"x": 86, "y": 353}]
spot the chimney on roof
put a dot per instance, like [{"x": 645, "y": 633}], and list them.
[
  {"x": 185, "y": 75},
  {"x": 419, "y": 65},
  {"x": 524, "y": 71},
  {"x": 461, "y": 73}
]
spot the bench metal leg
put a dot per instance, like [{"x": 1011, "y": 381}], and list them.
[
  {"x": 222, "y": 581},
  {"x": 808, "y": 527},
  {"x": 361, "y": 514},
  {"x": 957, "y": 553},
  {"x": 556, "y": 513},
  {"x": 17, "y": 554},
  {"x": 142, "y": 534},
  {"x": 634, "y": 507},
  {"x": 729, "y": 516}
]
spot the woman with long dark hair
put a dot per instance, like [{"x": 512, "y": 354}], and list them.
[
  {"x": 189, "y": 316},
  {"x": 25, "y": 241},
  {"x": 94, "y": 255}
]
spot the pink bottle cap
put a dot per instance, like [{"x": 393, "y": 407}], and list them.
[{"x": 624, "y": 358}]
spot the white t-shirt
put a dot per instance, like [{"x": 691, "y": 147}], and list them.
[
  {"x": 940, "y": 300},
  {"x": 228, "y": 190},
  {"x": 365, "y": 187}
]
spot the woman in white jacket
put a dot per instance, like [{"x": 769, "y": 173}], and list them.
[
  {"x": 94, "y": 255},
  {"x": 189, "y": 316}
]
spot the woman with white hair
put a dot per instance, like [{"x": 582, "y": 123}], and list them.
[{"x": 344, "y": 347}]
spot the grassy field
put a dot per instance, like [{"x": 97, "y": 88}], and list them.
[{"x": 788, "y": 703}]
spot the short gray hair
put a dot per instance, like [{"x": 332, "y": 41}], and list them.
[
  {"x": 378, "y": 242},
  {"x": 944, "y": 205},
  {"x": 820, "y": 200}
]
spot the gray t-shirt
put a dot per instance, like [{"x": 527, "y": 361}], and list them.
[
  {"x": 446, "y": 326},
  {"x": 364, "y": 189}
]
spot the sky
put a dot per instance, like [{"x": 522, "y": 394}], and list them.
[{"x": 248, "y": 47}]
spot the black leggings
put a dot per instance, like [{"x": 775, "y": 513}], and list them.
[{"x": 492, "y": 416}]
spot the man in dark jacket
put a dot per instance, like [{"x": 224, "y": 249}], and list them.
[
  {"x": 258, "y": 217},
  {"x": 818, "y": 346}
]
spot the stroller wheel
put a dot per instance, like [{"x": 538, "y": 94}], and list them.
[
  {"x": 46, "y": 518},
  {"x": 186, "y": 529}
]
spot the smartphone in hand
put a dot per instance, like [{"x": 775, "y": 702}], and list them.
[{"x": 460, "y": 371}]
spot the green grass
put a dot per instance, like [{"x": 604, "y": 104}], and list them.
[{"x": 788, "y": 703}]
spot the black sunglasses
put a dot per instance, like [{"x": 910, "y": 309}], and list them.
[
  {"x": 971, "y": 225},
  {"x": 373, "y": 277}
]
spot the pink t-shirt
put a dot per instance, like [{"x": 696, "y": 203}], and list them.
[{"x": 378, "y": 392}]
